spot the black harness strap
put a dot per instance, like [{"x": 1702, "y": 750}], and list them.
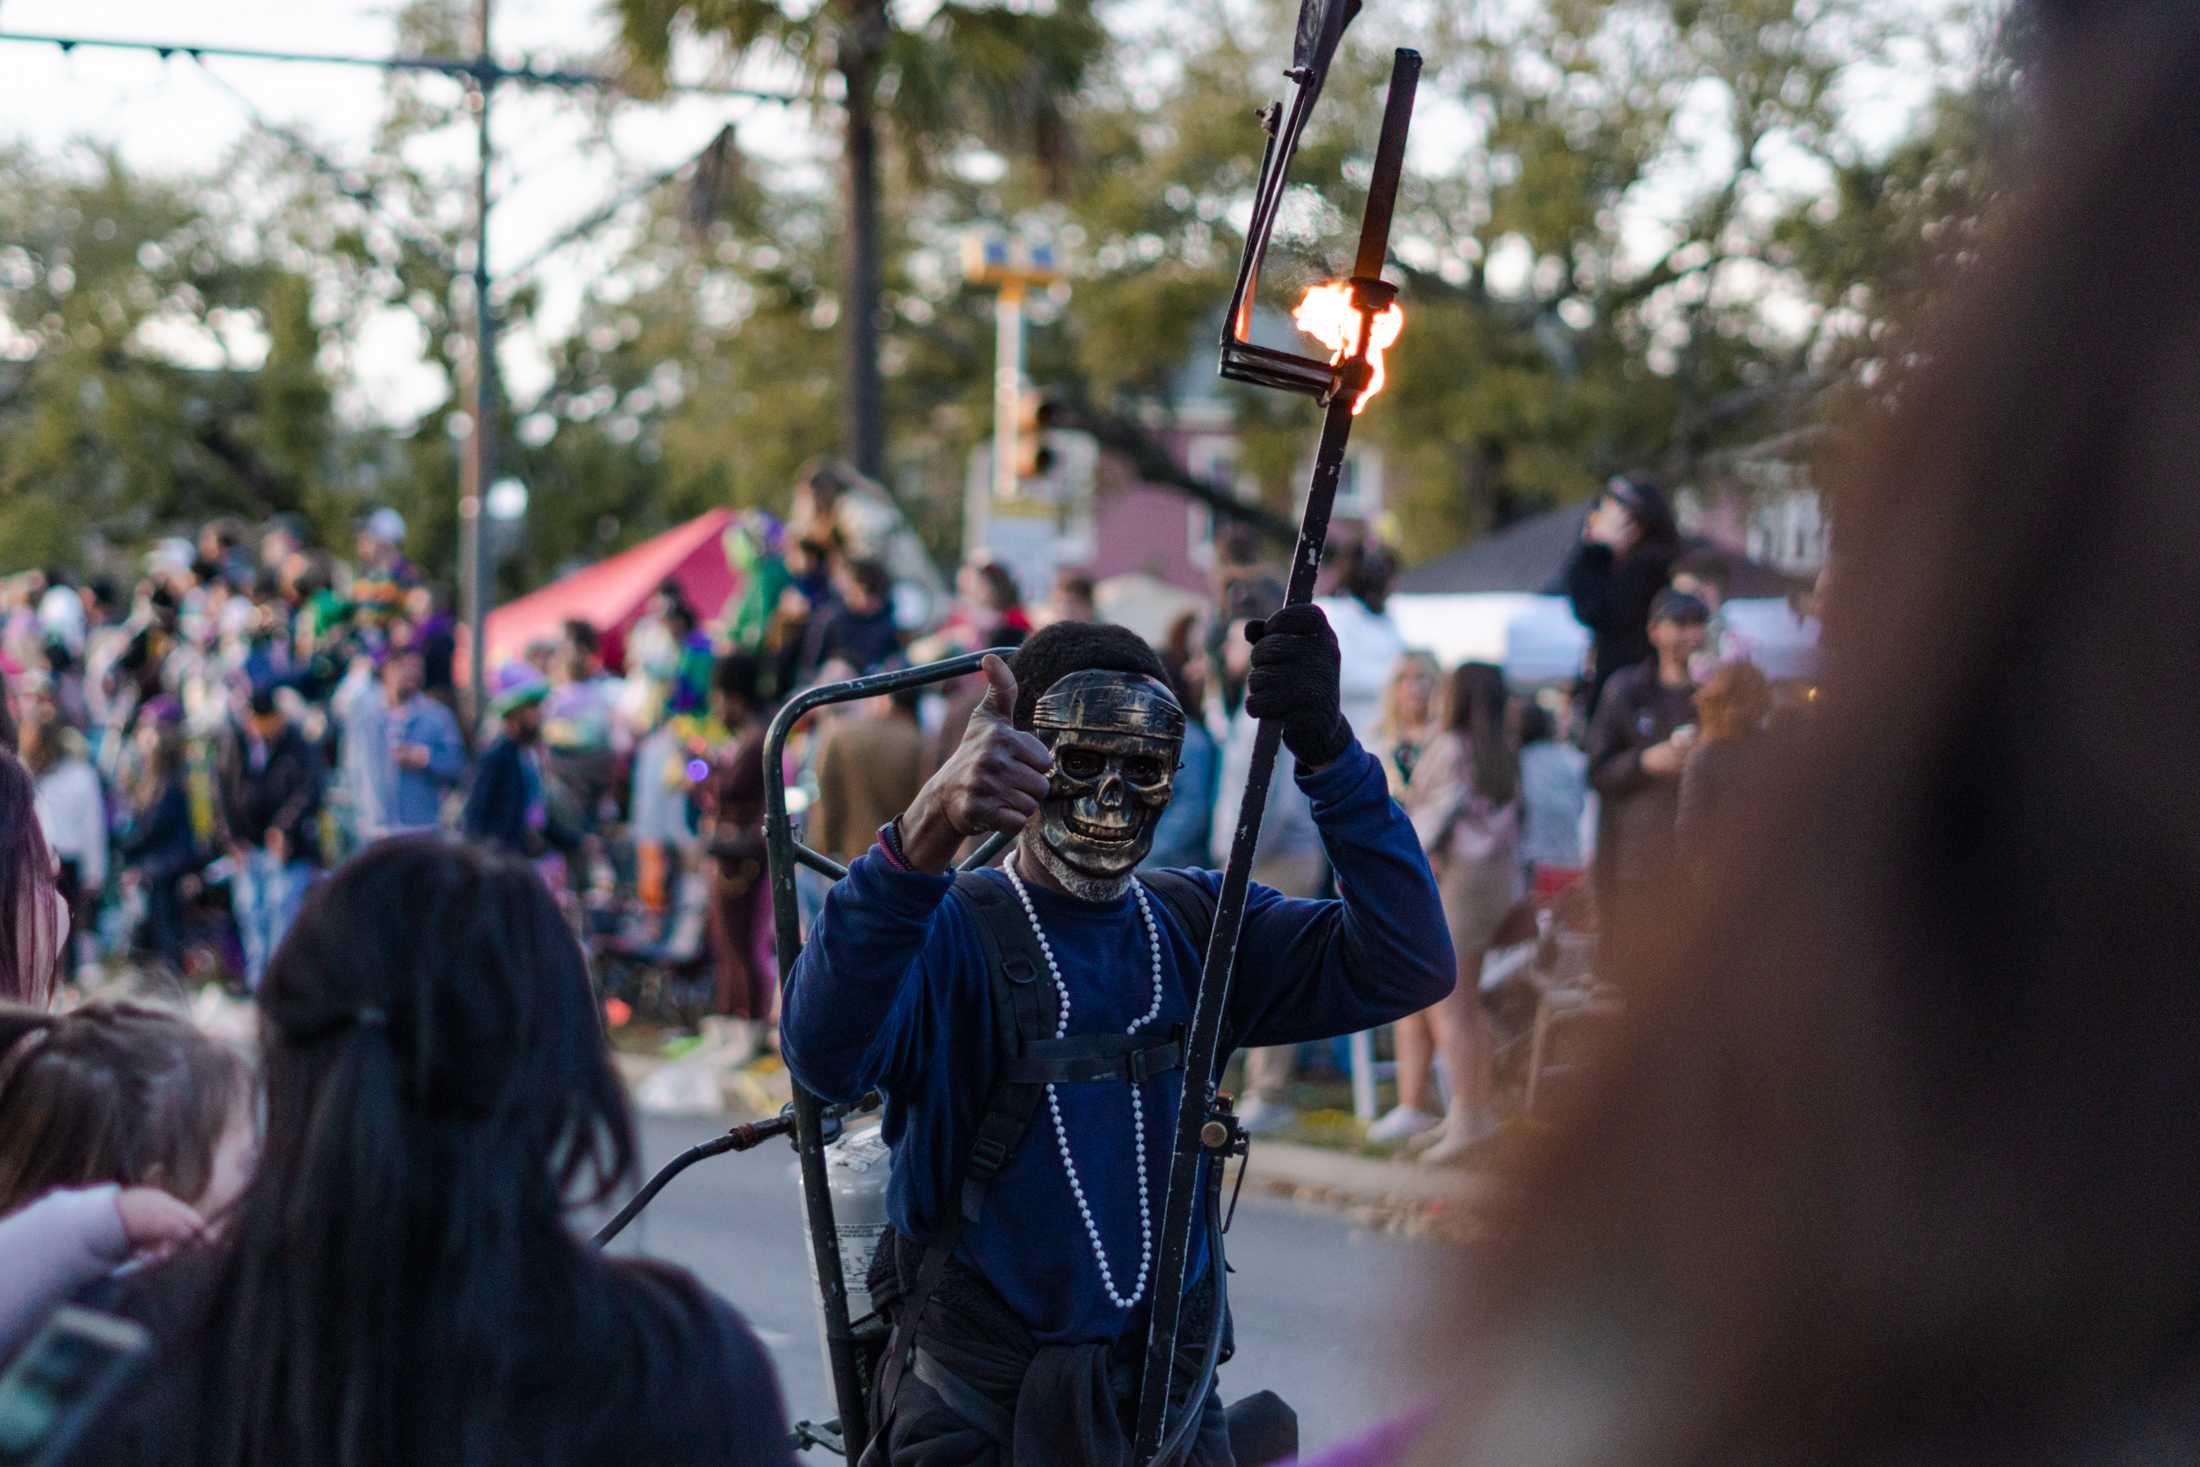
[{"x": 1025, "y": 1009}]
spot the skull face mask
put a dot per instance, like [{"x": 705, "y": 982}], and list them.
[{"x": 1115, "y": 737}]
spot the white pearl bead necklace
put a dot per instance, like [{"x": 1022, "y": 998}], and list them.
[{"x": 1138, "y": 1104}]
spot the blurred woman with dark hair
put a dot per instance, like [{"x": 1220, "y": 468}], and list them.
[
  {"x": 34, "y": 917},
  {"x": 399, "y": 1283},
  {"x": 1465, "y": 802},
  {"x": 1894, "y": 1159}
]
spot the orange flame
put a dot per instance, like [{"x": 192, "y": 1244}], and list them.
[{"x": 1327, "y": 314}]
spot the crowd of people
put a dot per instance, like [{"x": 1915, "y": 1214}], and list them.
[{"x": 203, "y": 749}]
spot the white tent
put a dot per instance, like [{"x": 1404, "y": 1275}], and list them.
[
  {"x": 1534, "y": 638},
  {"x": 1783, "y": 645}
]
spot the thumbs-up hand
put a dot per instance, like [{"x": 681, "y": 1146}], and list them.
[{"x": 994, "y": 780}]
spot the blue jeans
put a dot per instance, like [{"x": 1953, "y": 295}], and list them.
[{"x": 265, "y": 895}]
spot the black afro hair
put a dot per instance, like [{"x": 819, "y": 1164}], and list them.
[{"x": 1077, "y": 646}]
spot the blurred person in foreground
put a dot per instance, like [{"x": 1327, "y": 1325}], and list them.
[
  {"x": 400, "y": 1282},
  {"x": 1894, "y": 1160},
  {"x": 1638, "y": 741}
]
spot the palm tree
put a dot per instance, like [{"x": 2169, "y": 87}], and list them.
[{"x": 968, "y": 72}]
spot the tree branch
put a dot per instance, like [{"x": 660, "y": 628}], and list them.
[{"x": 1157, "y": 466}]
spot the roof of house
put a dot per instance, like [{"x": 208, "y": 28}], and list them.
[{"x": 1530, "y": 555}]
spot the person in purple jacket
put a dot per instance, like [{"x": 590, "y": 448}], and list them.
[{"x": 1019, "y": 1279}]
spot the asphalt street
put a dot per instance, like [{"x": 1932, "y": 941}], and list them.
[{"x": 1318, "y": 1301}]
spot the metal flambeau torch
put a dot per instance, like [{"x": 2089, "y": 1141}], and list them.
[{"x": 1357, "y": 320}]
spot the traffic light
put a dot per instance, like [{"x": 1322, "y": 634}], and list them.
[{"x": 1036, "y": 413}]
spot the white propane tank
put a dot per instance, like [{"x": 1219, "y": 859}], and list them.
[{"x": 856, "y": 1169}]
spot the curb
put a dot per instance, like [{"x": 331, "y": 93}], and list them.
[{"x": 1403, "y": 1197}]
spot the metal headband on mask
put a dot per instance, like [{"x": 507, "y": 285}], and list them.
[{"x": 1110, "y": 703}]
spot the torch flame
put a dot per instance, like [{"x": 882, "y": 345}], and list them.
[{"x": 1327, "y": 314}]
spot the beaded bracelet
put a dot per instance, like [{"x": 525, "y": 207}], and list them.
[{"x": 889, "y": 841}]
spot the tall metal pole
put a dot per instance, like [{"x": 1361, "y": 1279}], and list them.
[
  {"x": 481, "y": 467},
  {"x": 1202, "y": 1051},
  {"x": 1008, "y": 384}
]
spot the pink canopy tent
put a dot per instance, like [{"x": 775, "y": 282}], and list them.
[{"x": 612, "y": 594}]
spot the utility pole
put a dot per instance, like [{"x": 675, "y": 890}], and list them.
[{"x": 479, "y": 475}]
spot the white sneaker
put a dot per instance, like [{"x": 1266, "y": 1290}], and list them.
[
  {"x": 1265, "y": 1117},
  {"x": 1403, "y": 1123}
]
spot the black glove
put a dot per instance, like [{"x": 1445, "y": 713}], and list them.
[{"x": 1294, "y": 681}]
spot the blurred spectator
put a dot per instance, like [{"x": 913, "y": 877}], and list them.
[
  {"x": 1638, "y": 741},
  {"x": 270, "y": 781},
  {"x": 989, "y": 610},
  {"x": 580, "y": 725},
  {"x": 814, "y": 513},
  {"x": 1731, "y": 709},
  {"x": 733, "y": 834},
  {"x": 1554, "y": 787},
  {"x": 383, "y": 575},
  {"x": 869, "y": 767},
  {"x": 34, "y": 919},
  {"x": 509, "y": 805},
  {"x": 1466, "y": 807},
  {"x": 126, "y": 1094},
  {"x": 1366, "y": 634},
  {"x": 1625, "y": 557},
  {"x": 1071, "y": 599},
  {"x": 72, "y": 811},
  {"x": 860, "y": 629},
  {"x": 1707, "y": 575},
  {"x": 1244, "y": 597},
  {"x": 753, "y": 546},
  {"x": 427, "y": 754},
  {"x": 158, "y": 846},
  {"x": 1184, "y": 835},
  {"x": 1407, "y": 719}
]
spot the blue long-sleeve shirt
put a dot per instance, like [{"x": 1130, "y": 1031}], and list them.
[
  {"x": 892, "y": 992},
  {"x": 417, "y": 799}
]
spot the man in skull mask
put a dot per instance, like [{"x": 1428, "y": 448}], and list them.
[{"x": 1026, "y": 1024}]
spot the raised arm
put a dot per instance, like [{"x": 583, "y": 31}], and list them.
[
  {"x": 856, "y": 997},
  {"x": 1311, "y": 969},
  {"x": 1379, "y": 951}
]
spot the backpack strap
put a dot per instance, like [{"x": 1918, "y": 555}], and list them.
[
  {"x": 1025, "y": 1010},
  {"x": 1024, "y": 1013},
  {"x": 1029, "y": 1058},
  {"x": 1193, "y": 907}
]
